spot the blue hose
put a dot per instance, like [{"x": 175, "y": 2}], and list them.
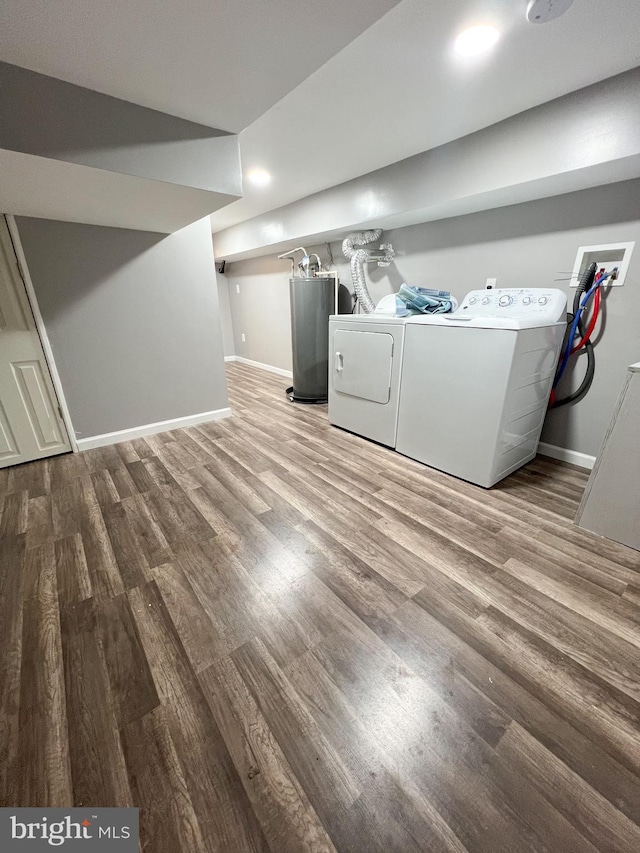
[{"x": 574, "y": 326}]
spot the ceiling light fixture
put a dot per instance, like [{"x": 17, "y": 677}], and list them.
[
  {"x": 476, "y": 40},
  {"x": 259, "y": 177}
]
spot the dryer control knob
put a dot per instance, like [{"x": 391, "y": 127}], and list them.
[
  {"x": 542, "y": 300},
  {"x": 505, "y": 300},
  {"x": 486, "y": 300},
  {"x": 526, "y": 300},
  {"x": 473, "y": 300}
]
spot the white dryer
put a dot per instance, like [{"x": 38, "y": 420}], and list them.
[
  {"x": 365, "y": 362},
  {"x": 476, "y": 383}
]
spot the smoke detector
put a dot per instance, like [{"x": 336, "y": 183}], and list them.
[{"x": 541, "y": 11}]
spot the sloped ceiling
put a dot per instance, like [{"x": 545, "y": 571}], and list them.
[
  {"x": 399, "y": 89},
  {"x": 322, "y": 92},
  {"x": 218, "y": 62}
]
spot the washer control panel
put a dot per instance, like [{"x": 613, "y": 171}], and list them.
[{"x": 516, "y": 302}]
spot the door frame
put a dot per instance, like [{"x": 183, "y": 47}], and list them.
[{"x": 41, "y": 328}]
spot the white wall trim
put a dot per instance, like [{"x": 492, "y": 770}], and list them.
[
  {"x": 279, "y": 370},
  {"x": 42, "y": 331},
  {"x": 150, "y": 429},
  {"x": 566, "y": 455}
]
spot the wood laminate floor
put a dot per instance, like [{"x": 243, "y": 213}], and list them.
[{"x": 271, "y": 635}]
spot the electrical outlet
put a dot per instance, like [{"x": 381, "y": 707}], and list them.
[
  {"x": 244, "y": 338},
  {"x": 491, "y": 283}
]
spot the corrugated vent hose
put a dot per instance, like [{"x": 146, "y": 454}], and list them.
[{"x": 358, "y": 258}]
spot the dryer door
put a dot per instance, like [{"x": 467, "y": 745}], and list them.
[{"x": 362, "y": 364}]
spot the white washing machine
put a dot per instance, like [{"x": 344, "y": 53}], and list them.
[
  {"x": 476, "y": 383},
  {"x": 365, "y": 362}
]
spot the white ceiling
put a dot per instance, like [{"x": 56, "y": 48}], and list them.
[
  {"x": 389, "y": 86},
  {"x": 398, "y": 89},
  {"x": 219, "y": 62}
]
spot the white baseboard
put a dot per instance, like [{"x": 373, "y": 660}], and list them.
[
  {"x": 279, "y": 370},
  {"x": 565, "y": 455},
  {"x": 150, "y": 429}
]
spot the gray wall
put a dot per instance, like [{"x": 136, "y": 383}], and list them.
[
  {"x": 133, "y": 321},
  {"x": 228, "y": 344},
  {"x": 58, "y": 120},
  {"x": 530, "y": 244},
  {"x": 260, "y": 310}
]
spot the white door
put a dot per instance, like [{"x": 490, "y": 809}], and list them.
[
  {"x": 31, "y": 425},
  {"x": 362, "y": 364}
]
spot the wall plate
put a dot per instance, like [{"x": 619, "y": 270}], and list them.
[{"x": 608, "y": 255}]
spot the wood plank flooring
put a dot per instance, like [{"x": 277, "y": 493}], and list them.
[{"x": 271, "y": 635}]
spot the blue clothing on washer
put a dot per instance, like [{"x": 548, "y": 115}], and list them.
[{"x": 425, "y": 300}]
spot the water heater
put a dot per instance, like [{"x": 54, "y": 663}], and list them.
[{"x": 313, "y": 300}]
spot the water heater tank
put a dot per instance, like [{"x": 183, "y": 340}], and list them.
[{"x": 313, "y": 300}]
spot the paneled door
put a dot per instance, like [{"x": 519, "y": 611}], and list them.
[{"x": 31, "y": 425}]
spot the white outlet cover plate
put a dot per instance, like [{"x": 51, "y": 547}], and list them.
[{"x": 614, "y": 254}]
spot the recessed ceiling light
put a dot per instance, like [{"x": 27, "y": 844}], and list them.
[
  {"x": 476, "y": 40},
  {"x": 259, "y": 177}
]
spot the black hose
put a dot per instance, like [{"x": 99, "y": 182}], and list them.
[
  {"x": 587, "y": 279},
  {"x": 579, "y": 393}
]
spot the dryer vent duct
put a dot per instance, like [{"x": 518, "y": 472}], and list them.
[{"x": 358, "y": 257}]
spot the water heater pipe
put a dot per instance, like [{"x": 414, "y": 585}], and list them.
[{"x": 305, "y": 265}]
